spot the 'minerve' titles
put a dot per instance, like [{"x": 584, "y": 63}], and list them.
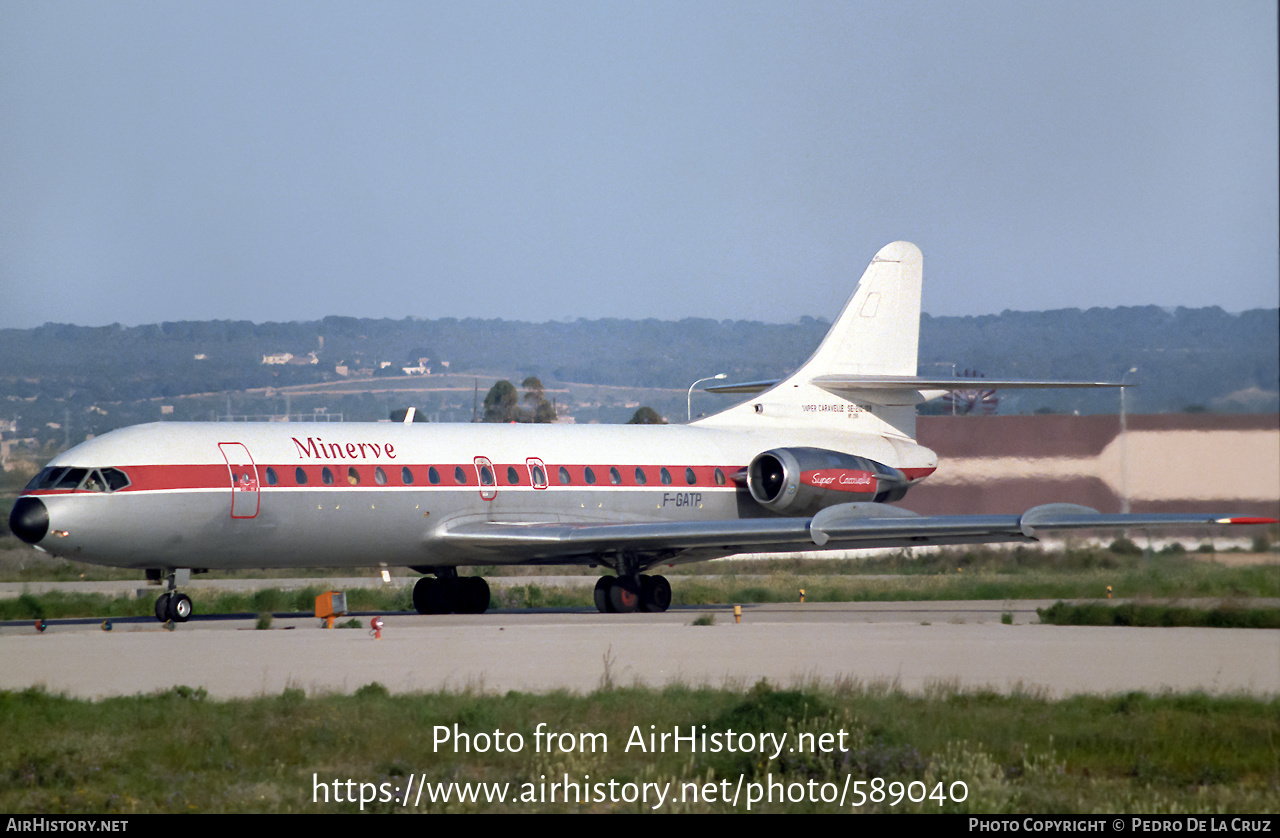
[{"x": 317, "y": 448}]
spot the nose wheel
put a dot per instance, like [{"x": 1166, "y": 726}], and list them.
[
  {"x": 172, "y": 605},
  {"x": 175, "y": 606}
]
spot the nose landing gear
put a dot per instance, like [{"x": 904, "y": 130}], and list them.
[{"x": 172, "y": 605}]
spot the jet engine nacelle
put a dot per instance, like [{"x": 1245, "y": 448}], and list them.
[{"x": 799, "y": 481}]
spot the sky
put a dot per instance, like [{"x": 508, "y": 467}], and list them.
[{"x": 279, "y": 161}]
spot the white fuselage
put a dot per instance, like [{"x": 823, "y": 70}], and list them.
[{"x": 213, "y": 495}]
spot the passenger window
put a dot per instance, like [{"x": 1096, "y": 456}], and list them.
[
  {"x": 719, "y": 477},
  {"x": 564, "y": 476},
  {"x": 486, "y": 476},
  {"x": 459, "y": 476},
  {"x": 513, "y": 477},
  {"x": 690, "y": 477},
  {"x": 614, "y": 477},
  {"x": 379, "y": 476},
  {"x": 326, "y": 476},
  {"x": 590, "y": 476},
  {"x": 271, "y": 476},
  {"x": 432, "y": 475},
  {"x": 406, "y": 476},
  {"x": 539, "y": 477},
  {"x": 666, "y": 477},
  {"x": 640, "y": 478},
  {"x": 299, "y": 476},
  {"x": 353, "y": 476}
]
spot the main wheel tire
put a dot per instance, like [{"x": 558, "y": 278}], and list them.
[
  {"x": 162, "y": 608},
  {"x": 473, "y": 595},
  {"x": 420, "y": 589},
  {"x": 655, "y": 594},
  {"x": 624, "y": 595},
  {"x": 603, "y": 584},
  {"x": 180, "y": 608},
  {"x": 442, "y": 596}
]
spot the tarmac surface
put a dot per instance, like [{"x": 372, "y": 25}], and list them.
[{"x": 916, "y": 646}]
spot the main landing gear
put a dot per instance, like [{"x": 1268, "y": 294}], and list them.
[
  {"x": 625, "y": 594},
  {"x": 450, "y": 593}
]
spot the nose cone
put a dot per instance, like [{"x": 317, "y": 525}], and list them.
[{"x": 29, "y": 520}]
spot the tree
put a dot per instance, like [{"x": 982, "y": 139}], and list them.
[
  {"x": 533, "y": 389},
  {"x": 540, "y": 410},
  {"x": 502, "y": 403},
  {"x": 646, "y": 416},
  {"x": 544, "y": 413}
]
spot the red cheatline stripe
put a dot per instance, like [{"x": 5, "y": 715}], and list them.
[{"x": 150, "y": 478}]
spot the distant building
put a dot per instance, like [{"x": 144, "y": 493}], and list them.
[
  {"x": 1167, "y": 462},
  {"x": 278, "y": 358},
  {"x": 26, "y": 456}
]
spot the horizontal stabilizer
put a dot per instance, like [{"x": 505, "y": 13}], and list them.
[
  {"x": 744, "y": 387},
  {"x": 868, "y": 383},
  {"x": 914, "y": 382}
]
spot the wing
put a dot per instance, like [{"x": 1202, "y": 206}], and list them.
[{"x": 846, "y": 526}]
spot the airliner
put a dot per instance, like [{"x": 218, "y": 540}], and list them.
[{"x": 811, "y": 462}]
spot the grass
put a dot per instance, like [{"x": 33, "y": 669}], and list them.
[
  {"x": 1159, "y": 615},
  {"x": 180, "y": 751}
]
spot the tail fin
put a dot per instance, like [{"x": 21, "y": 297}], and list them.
[{"x": 877, "y": 333}]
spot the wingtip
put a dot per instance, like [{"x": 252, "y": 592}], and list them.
[{"x": 1246, "y": 520}]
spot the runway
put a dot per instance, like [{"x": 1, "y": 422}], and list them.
[{"x": 913, "y": 645}]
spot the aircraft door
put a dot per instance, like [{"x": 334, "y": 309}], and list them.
[{"x": 244, "y": 479}]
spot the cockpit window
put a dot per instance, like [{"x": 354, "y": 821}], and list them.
[
  {"x": 116, "y": 479},
  {"x": 63, "y": 479},
  {"x": 71, "y": 478},
  {"x": 46, "y": 479}
]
